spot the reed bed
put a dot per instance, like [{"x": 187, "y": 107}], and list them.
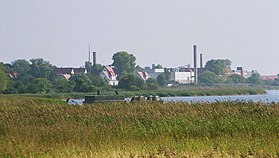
[
  {"x": 37, "y": 127},
  {"x": 162, "y": 92}
]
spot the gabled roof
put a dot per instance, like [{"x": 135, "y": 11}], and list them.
[
  {"x": 109, "y": 72},
  {"x": 110, "y": 69},
  {"x": 143, "y": 75}
]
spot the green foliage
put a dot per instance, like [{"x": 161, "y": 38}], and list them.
[
  {"x": 62, "y": 85},
  {"x": 93, "y": 69},
  {"x": 22, "y": 68},
  {"x": 39, "y": 85},
  {"x": 41, "y": 69},
  {"x": 236, "y": 79},
  {"x": 82, "y": 83},
  {"x": 209, "y": 77},
  {"x": 255, "y": 78},
  {"x": 218, "y": 66},
  {"x": 4, "y": 80},
  {"x": 124, "y": 62},
  {"x": 151, "y": 84},
  {"x": 162, "y": 79},
  {"x": 96, "y": 69},
  {"x": 130, "y": 82}
]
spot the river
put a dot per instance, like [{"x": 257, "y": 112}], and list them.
[{"x": 269, "y": 97}]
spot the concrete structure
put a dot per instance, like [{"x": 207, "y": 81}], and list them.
[
  {"x": 195, "y": 64},
  {"x": 201, "y": 61},
  {"x": 109, "y": 75},
  {"x": 182, "y": 75},
  {"x": 94, "y": 58}
]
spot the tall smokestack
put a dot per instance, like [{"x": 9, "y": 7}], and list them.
[
  {"x": 89, "y": 53},
  {"x": 201, "y": 62},
  {"x": 94, "y": 58},
  {"x": 195, "y": 65}
]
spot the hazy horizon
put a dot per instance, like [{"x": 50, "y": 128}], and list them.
[{"x": 155, "y": 31}]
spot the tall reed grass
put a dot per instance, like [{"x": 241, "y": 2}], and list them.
[
  {"x": 162, "y": 92},
  {"x": 36, "y": 127}
]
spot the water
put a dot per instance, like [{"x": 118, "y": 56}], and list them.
[{"x": 269, "y": 97}]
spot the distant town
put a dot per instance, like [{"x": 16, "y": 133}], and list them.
[{"x": 39, "y": 76}]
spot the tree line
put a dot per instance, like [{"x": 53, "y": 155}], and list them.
[{"x": 38, "y": 76}]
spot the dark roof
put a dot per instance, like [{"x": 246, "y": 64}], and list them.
[
  {"x": 79, "y": 70},
  {"x": 60, "y": 71}
]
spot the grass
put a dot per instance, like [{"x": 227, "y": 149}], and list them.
[
  {"x": 35, "y": 127},
  {"x": 162, "y": 92}
]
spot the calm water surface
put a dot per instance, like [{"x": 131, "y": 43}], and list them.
[{"x": 270, "y": 96}]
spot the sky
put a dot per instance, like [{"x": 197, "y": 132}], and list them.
[{"x": 154, "y": 31}]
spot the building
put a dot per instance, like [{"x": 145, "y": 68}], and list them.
[
  {"x": 182, "y": 75},
  {"x": 109, "y": 75},
  {"x": 153, "y": 73},
  {"x": 142, "y": 75},
  {"x": 269, "y": 77},
  {"x": 69, "y": 72}
]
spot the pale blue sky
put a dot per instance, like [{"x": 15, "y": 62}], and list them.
[{"x": 155, "y": 31}]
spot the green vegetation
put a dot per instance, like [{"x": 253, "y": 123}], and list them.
[
  {"x": 34, "y": 127},
  {"x": 162, "y": 92}
]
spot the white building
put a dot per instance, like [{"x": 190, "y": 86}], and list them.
[
  {"x": 182, "y": 76},
  {"x": 109, "y": 75}
]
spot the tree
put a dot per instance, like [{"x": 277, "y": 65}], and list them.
[
  {"x": 162, "y": 79},
  {"x": 4, "y": 80},
  {"x": 96, "y": 80},
  {"x": 218, "y": 66},
  {"x": 130, "y": 82},
  {"x": 62, "y": 85},
  {"x": 22, "y": 68},
  {"x": 96, "y": 69},
  {"x": 151, "y": 84},
  {"x": 41, "y": 69},
  {"x": 255, "y": 78},
  {"x": 39, "y": 85},
  {"x": 124, "y": 62},
  {"x": 236, "y": 79},
  {"x": 158, "y": 66},
  {"x": 82, "y": 83},
  {"x": 209, "y": 77}
]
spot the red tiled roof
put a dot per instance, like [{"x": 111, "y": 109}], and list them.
[
  {"x": 269, "y": 77},
  {"x": 144, "y": 75},
  {"x": 109, "y": 72}
]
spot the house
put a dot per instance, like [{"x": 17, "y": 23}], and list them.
[
  {"x": 69, "y": 72},
  {"x": 109, "y": 75},
  {"x": 142, "y": 75}
]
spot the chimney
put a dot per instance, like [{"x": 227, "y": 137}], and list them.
[
  {"x": 89, "y": 53},
  {"x": 195, "y": 65},
  {"x": 94, "y": 58},
  {"x": 201, "y": 62}
]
